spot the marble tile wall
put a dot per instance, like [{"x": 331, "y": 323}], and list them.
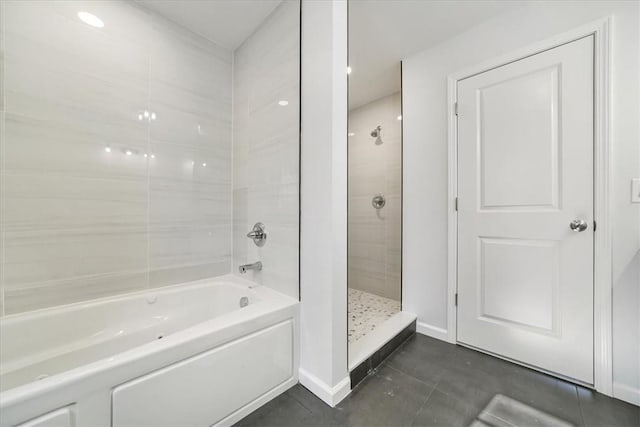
[
  {"x": 190, "y": 177},
  {"x": 115, "y": 148},
  {"x": 375, "y": 168},
  {"x": 266, "y": 150}
]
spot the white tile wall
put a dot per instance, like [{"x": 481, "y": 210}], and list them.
[
  {"x": 190, "y": 177},
  {"x": 79, "y": 222},
  {"x": 266, "y": 148},
  {"x": 374, "y": 235}
]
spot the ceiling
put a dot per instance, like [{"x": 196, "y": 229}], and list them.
[
  {"x": 225, "y": 22},
  {"x": 382, "y": 33}
]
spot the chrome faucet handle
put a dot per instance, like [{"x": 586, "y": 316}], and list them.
[{"x": 258, "y": 235}]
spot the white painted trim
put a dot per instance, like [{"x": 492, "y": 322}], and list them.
[
  {"x": 323, "y": 198},
  {"x": 603, "y": 274},
  {"x": 601, "y": 29},
  {"x": 259, "y": 402},
  {"x": 452, "y": 223},
  {"x": 329, "y": 395},
  {"x": 432, "y": 331},
  {"x": 626, "y": 393}
]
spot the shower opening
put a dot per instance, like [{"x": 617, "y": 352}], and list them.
[{"x": 376, "y": 323}]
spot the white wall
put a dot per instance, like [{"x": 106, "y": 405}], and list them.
[
  {"x": 375, "y": 168},
  {"x": 266, "y": 148},
  {"x": 323, "y": 238},
  {"x": 425, "y": 161}
]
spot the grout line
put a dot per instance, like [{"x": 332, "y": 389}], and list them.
[
  {"x": 402, "y": 345},
  {"x": 148, "y": 162},
  {"x": 232, "y": 160},
  {"x": 584, "y": 422},
  {"x": 294, "y": 397},
  {"x": 411, "y": 376},
  {"x": 415, "y": 415}
]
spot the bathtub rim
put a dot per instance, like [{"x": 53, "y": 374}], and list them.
[
  {"x": 230, "y": 279},
  {"x": 200, "y": 337}
]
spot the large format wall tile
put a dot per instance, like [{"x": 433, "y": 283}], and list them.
[
  {"x": 116, "y": 153},
  {"x": 122, "y": 168},
  {"x": 190, "y": 174},
  {"x": 74, "y": 214},
  {"x": 276, "y": 205},
  {"x": 44, "y": 269},
  {"x": 266, "y": 148}
]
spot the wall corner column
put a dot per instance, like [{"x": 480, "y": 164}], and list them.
[{"x": 323, "y": 235}]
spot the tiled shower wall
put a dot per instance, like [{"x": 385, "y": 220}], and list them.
[
  {"x": 266, "y": 88},
  {"x": 115, "y": 154},
  {"x": 375, "y": 168}
]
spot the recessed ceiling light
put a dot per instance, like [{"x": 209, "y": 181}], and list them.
[
  {"x": 128, "y": 152},
  {"x": 283, "y": 103},
  {"x": 107, "y": 149},
  {"x": 348, "y": 70},
  {"x": 204, "y": 165},
  {"x": 90, "y": 19}
]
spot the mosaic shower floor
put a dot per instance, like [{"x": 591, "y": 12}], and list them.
[{"x": 367, "y": 311}]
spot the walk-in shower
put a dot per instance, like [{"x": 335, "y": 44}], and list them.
[
  {"x": 375, "y": 316},
  {"x": 374, "y": 214}
]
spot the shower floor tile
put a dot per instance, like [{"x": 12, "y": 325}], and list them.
[{"x": 367, "y": 311}]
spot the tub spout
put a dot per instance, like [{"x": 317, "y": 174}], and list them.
[{"x": 257, "y": 266}]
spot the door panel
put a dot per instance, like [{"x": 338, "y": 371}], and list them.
[
  {"x": 515, "y": 291},
  {"x": 519, "y": 122},
  {"x": 525, "y": 171}
]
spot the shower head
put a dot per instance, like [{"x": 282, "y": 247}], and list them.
[{"x": 376, "y": 132}]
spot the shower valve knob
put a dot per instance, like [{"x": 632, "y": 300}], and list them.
[
  {"x": 378, "y": 201},
  {"x": 257, "y": 234}
]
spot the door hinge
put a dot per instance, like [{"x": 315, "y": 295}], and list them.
[
  {"x": 594, "y": 226},
  {"x": 456, "y": 300},
  {"x": 455, "y": 108},
  {"x": 456, "y": 204}
]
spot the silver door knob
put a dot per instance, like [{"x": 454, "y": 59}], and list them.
[{"x": 578, "y": 225}]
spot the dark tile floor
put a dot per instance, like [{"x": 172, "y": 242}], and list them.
[{"x": 427, "y": 382}]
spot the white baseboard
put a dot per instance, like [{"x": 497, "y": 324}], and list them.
[
  {"x": 626, "y": 393},
  {"x": 432, "y": 331},
  {"x": 329, "y": 395}
]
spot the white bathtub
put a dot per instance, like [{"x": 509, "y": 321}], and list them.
[{"x": 185, "y": 355}]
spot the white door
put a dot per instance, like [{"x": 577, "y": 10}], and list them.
[{"x": 525, "y": 173}]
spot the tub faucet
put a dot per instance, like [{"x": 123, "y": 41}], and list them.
[{"x": 257, "y": 266}]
